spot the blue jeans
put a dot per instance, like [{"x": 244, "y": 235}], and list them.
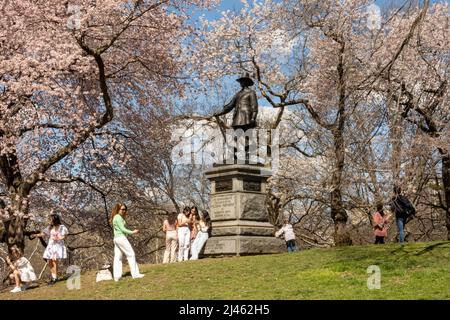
[
  {"x": 401, "y": 229},
  {"x": 291, "y": 246}
]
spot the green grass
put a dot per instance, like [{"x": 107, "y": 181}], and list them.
[{"x": 412, "y": 271}]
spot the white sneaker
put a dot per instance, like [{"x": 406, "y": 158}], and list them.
[
  {"x": 140, "y": 275},
  {"x": 16, "y": 289},
  {"x": 116, "y": 279}
]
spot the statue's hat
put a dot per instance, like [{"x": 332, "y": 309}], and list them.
[{"x": 246, "y": 78}]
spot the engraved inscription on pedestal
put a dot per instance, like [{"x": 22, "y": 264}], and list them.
[
  {"x": 250, "y": 185},
  {"x": 223, "y": 207},
  {"x": 220, "y": 246},
  {"x": 224, "y": 185},
  {"x": 238, "y": 212}
]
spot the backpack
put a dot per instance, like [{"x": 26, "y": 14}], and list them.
[{"x": 403, "y": 207}]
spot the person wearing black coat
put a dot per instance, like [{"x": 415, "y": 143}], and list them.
[{"x": 403, "y": 210}]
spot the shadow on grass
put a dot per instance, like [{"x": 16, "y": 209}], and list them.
[
  {"x": 401, "y": 252},
  {"x": 432, "y": 247},
  {"x": 33, "y": 286},
  {"x": 400, "y": 249}
]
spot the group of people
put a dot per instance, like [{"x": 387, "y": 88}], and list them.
[
  {"x": 403, "y": 210},
  {"x": 22, "y": 272},
  {"x": 186, "y": 232},
  {"x": 400, "y": 206}
]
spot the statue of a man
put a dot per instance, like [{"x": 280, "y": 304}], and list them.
[{"x": 245, "y": 105}]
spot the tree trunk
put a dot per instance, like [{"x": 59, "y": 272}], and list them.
[
  {"x": 446, "y": 183},
  {"x": 273, "y": 206},
  {"x": 396, "y": 135},
  {"x": 339, "y": 216},
  {"x": 15, "y": 226},
  {"x": 338, "y": 213},
  {"x": 15, "y": 235},
  {"x": 18, "y": 193}
]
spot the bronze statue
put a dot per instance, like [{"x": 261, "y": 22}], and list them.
[{"x": 245, "y": 105}]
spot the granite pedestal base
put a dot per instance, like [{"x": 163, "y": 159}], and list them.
[{"x": 237, "y": 207}]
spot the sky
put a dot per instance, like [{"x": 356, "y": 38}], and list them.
[{"x": 237, "y": 4}]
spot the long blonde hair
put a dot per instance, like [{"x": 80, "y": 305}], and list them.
[{"x": 116, "y": 210}]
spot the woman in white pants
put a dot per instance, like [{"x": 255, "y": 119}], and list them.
[
  {"x": 121, "y": 244},
  {"x": 184, "y": 234},
  {"x": 203, "y": 230},
  {"x": 170, "y": 228}
]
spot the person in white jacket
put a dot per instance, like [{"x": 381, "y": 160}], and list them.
[{"x": 289, "y": 236}]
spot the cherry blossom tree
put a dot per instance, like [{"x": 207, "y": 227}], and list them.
[
  {"x": 416, "y": 88},
  {"x": 318, "y": 57},
  {"x": 65, "y": 68}
]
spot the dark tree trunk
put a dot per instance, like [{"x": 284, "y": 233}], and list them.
[
  {"x": 338, "y": 213},
  {"x": 15, "y": 227},
  {"x": 15, "y": 234},
  {"x": 273, "y": 206},
  {"x": 446, "y": 183},
  {"x": 18, "y": 193}
]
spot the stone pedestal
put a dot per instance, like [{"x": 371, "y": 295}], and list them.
[{"x": 237, "y": 207}]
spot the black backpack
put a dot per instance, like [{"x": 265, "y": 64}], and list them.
[{"x": 402, "y": 206}]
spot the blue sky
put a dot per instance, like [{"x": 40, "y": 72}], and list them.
[
  {"x": 237, "y": 4},
  {"x": 230, "y": 5}
]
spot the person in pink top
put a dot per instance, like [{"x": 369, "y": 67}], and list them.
[
  {"x": 380, "y": 224},
  {"x": 170, "y": 228}
]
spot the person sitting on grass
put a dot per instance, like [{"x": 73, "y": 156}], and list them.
[{"x": 22, "y": 272}]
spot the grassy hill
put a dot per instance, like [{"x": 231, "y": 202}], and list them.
[{"x": 412, "y": 271}]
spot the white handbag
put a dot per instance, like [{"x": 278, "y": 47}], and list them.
[{"x": 104, "y": 274}]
